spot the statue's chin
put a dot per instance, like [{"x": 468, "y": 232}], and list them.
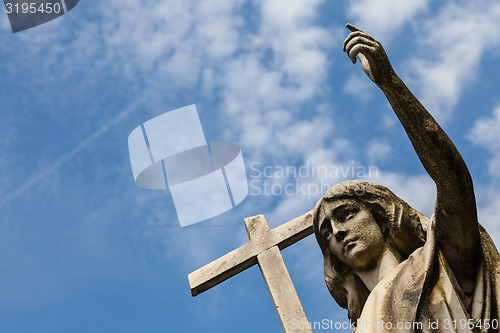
[{"x": 360, "y": 257}]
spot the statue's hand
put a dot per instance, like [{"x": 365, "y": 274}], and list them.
[{"x": 371, "y": 55}]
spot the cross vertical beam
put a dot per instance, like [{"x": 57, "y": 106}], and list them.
[{"x": 275, "y": 274}]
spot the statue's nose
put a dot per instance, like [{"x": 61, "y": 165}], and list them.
[{"x": 338, "y": 232}]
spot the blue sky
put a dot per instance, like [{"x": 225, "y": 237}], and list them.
[{"x": 83, "y": 249}]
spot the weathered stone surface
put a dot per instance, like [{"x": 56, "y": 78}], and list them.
[
  {"x": 263, "y": 248},
  {"x": 390, "y": 265}
]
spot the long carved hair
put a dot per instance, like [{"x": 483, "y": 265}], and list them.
[{"x": 402, "y": 226}]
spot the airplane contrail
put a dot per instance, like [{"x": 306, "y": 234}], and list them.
[{"x": 66, "y": 157}]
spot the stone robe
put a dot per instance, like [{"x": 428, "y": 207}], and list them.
[{"x": 422, "y": 295}]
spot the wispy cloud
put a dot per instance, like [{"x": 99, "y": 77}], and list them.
[
  {"x": 383, "y": 18},
  {"x": 452, "y": 45},
  {"x": 284, "y": 66}
]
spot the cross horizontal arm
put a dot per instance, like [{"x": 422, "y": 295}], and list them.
[
  {"x": 291, "y": 232},
  {"x": 245, "y": 256},
  {"x": 223, "y": 268}
]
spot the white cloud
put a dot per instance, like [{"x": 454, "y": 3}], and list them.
[
  {"x": 285, "y": 65},
  {"x": 486, "y": 133},
  {"x": 297, "y": 43},
  {"x": 359, "y": 87},
  {"x": 160, "y": 42},
  {"x": 265, "y": 77},
  {"x": 450, "y": 43},
  {"x": 264, "y": 73},
  {"x": 172, "y": 39},
  {"x": 377, "y": 150},
  {"x": 454, "y": 41},
  {"x": 302, "y": 136},
  {"x": 382, "y": 18},
  {"x": 489, "y": 210},
  {"x": 389, "y": 120}
]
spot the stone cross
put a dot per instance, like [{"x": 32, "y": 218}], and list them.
[{"x": 264, "y": 249}]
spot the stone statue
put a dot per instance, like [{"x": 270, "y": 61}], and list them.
[{"x": 394, "y": 269}]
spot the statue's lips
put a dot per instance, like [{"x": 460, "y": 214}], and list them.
[{"x": 349, "y": 244}]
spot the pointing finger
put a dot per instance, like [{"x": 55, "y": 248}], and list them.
[{"x": 351, "y": 27}]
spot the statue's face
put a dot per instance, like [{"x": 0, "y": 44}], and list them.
[{"x": 352, "y": 234}]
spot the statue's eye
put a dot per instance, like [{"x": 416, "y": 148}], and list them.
[
  {"x": 347, "y": 214},
  {"x": 326, "y": 228}
]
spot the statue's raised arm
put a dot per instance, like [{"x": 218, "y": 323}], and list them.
[
  {"x": 455, "y": 211},
  {"x": 393, "y": 268}
]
